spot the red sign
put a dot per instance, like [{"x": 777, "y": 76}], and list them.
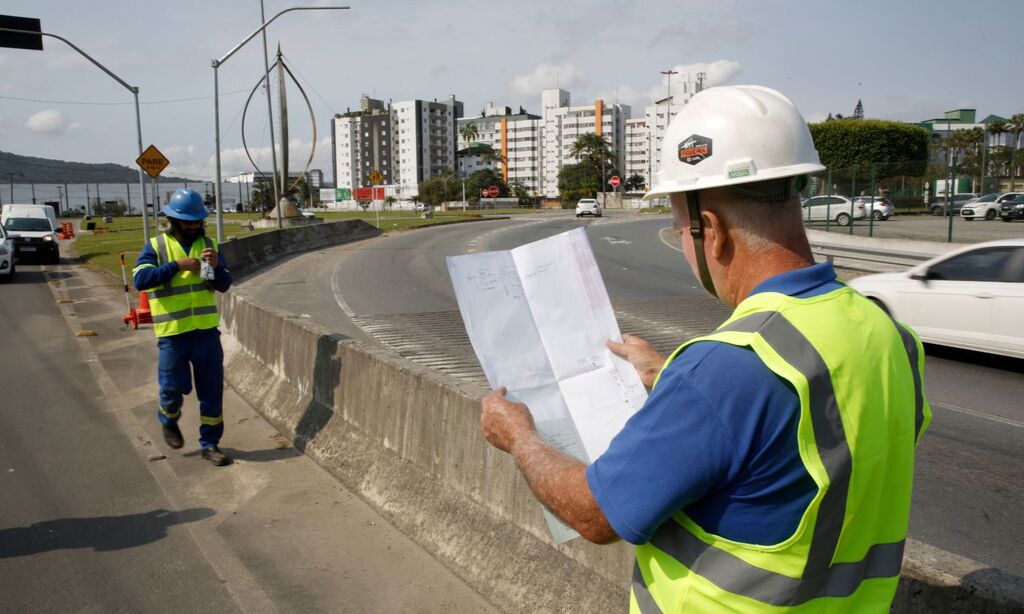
[
  {"x": 492, "y": 191},
  {"x": 368, "y": 194},
  {"x": 615, "y": 181}
]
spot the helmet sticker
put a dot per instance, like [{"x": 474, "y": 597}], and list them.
[{"x": 695, "y": 149}]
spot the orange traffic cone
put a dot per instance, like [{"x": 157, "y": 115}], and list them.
[{"x": 143, "y": 312}]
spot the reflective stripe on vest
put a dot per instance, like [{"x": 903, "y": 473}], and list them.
[
  {"x": 185, "y": 302},
  {"x": 820, "y": 577}
]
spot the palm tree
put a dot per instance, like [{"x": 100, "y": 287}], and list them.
[
  {"x": 995, "y": 128},
  {"x": 635, "y": 183},
  {"x": 1015, "y": 126},
  {"x": 469, "y": 133},
  {"x": 595, "y": 153}
]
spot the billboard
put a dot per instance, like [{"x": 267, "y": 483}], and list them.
[{"x": 368, "y": 193}]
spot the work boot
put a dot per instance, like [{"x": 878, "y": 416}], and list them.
[
  {"x": 215, "y": 456},
  {"x": 172, "y": 435}
]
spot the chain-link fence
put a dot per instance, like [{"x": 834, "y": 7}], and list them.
[{"x": 863, "y": 202}]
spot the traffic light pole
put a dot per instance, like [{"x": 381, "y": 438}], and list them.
[{"x": 138, "y": 122}]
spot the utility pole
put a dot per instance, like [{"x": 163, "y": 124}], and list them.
[
  {"x": 669, "y": 73},
  {"x": 270, "y": 111}
]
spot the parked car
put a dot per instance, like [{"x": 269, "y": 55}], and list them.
[
  {"x": 970, "y": 298},
  {"x": 838, "y": 209},
  {"x": 588, "y": 206},
  {"x": 6, "y": 256},
  {"x": 1012, "y": 209},
  {"x": 959, "y": 200},
  {"x": 421, "y": 207},
  {"x": 986, "y": 206},
  {"x": 34, "y": 230},
  {"x": 881, "y": 208}
]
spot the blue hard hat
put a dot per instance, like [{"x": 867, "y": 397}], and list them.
[{"x": 186, "y": 204}]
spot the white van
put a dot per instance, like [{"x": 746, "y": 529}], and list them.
[{"x": 34, "y": 230}]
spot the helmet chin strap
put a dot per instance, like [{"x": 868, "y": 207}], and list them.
[{"x": 697, "y": 234}]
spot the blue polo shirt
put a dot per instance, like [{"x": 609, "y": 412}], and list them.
[{"x": 717, "y": 438}]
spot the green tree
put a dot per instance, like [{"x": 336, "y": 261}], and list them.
[
  {"x": 482, "y": 179},
  {"x": 440, "y": 189},
  {"x": 635, "y": 183},
  {"x": 576, "y": 181},
  {"x": 595, "y": 153},
  {"x": 995, "y": 128},
  {"x": 1015, "y": 126},
  {"x": 891, "y": 148}
]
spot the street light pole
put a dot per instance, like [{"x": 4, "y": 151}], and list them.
[
  {"x": 270, "y": 118},
  {"x": 216, "y": 98}
]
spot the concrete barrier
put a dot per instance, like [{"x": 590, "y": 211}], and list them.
[
  {"x": 408, "y": 441},
  {"x": 246, "y": 254}
]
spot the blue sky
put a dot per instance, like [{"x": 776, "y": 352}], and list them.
[{"x": 906, "y": 60}]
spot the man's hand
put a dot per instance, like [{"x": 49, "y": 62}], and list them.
[
  {"x": 641, "y": 355},
  {"x": 210, "y": 256},
  {"x": 188, "y": 264},
  {"x": 504, "y": 422}
]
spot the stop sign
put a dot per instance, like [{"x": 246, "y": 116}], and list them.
[
  {"x": 615, "y": 181},
  {"x": 492, "y": 191}
]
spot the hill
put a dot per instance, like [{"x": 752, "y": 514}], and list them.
[{"x": 27, "y": 169}]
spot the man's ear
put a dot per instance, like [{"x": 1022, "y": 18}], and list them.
[{"x": 716, "y": 237}]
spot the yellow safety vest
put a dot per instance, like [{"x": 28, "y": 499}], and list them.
[
  {"x": 858, "y": 375},
  {"x": 187, "y": 302}
]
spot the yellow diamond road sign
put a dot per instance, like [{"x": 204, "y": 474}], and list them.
[
  {"x": 152, "y": 161},
  {"x": 376, "y": 177}
]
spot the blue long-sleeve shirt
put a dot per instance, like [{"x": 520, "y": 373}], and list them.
[{"x": 159, "y": 274}]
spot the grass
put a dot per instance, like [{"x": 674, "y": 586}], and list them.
[{"x": 101, "y": 249}]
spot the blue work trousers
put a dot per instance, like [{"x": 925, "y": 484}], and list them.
[{"x": 195, "y": 354}]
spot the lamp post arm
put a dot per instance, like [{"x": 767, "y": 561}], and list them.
[
  {"x": 271, "y": 20},
  {"x": 130, "y": 88}
]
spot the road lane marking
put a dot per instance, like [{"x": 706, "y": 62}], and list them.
[
  {"x": 617, "y": 241},
  {"x": 661, "y": 236},
  {"x": 336, "y": 291},
  {"x": 978, "y": 414}
]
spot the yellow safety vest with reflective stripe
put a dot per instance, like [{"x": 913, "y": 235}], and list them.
[
  {"x": 858, "y": 376},
  {"x": 187, "y": 302}
]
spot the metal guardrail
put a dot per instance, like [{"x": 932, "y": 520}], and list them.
[{"x": 867, "y": 255}]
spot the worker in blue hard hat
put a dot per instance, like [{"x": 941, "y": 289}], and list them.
[{"x": 181, "y": 269}]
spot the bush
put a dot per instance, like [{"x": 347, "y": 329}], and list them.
[{"x": 891, "y": 148}]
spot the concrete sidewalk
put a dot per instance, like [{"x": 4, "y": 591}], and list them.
[{"x": 286, "y": 537}]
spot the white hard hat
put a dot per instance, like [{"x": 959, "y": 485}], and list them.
[{"x": 730, "y": 135}]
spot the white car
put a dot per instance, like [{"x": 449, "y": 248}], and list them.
[
  {"x": 6, "y": 256},
  {"x": 971, "y": 298},
  {"x": 986, "y": 206},
  {"x": 881, "y": 207},
  {"x": 588, "y": 206},
  {"x": 839, "y": 209}
]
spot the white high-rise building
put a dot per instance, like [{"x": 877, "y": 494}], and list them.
[
  {"x": 363, "y": 143},
  {"x": 637, "y": 151},
  {"x": 425, "y": 141},
  {"x": 563, "y": 124}
]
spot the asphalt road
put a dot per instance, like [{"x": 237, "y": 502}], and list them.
[
  {"x": 394, "y": 290},
  {"x": 83, "y": 525}
]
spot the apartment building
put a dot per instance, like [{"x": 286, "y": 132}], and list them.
[
  {"x": 513, "y": 140},
  {"x": 406, "y": 142},
  {"x": 425, "y": 141},
  {"x": 637, "y": 150},
  {"x": 363, "y": 142},
  {"x": 562, "y": 124}
]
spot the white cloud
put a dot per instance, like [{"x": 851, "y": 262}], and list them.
[
  {"x": 718, "y": 72},
  {"x": 625, "y": 94},
  {"x": 50, "y": 122},
  {"x": 547, "y": 76}
]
